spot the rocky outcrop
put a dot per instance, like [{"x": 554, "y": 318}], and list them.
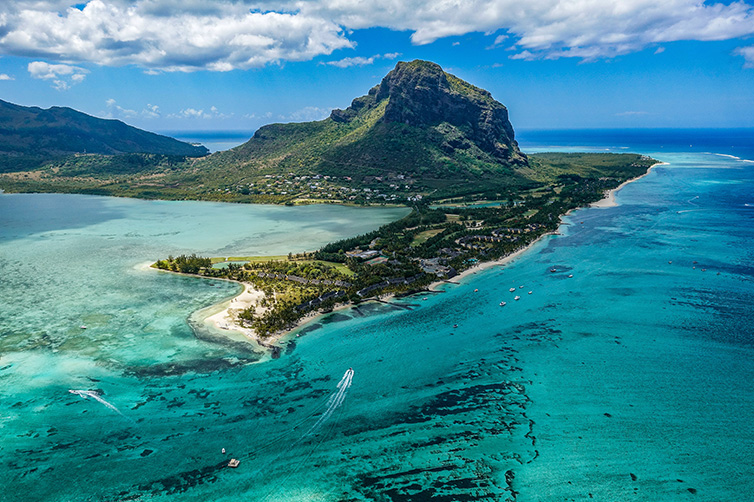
[{"x": 422, "y": 95}]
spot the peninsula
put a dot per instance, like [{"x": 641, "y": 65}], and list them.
[{"x": 422, "y": 138}]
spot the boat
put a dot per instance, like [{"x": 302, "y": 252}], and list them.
[
  {"x": 502, "y": 304},
  {"x": 517, "y": 298},
  {"x": 455, "y": 325},
  {"x": 233, "y": 463},
  {"x": 512, "y": 290},
  {"x": 82, "y": 327},
  {"x": 553, "y": 270},
  {"x": 476, "y": 291},
  {"x": 570, "y": 275},
  {"x": 530, "y": 292},
  {"x": 520, "y": 287}
]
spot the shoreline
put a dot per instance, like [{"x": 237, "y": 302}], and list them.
[
  {"x": 489, "y": 264},
  {"x": 609, "y": 199},
  {"x": 224, "y": 321}
]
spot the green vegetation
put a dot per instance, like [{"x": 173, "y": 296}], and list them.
[
  {"x": 31, "y": 137},
  {"x": 427, "y": 245},
  {"x": 421, "y": 133},
  {"x": 420, "y": 136},
  {"x": 185, "y": 264}
]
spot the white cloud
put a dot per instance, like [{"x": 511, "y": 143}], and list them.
[
  {"x": 61, "y": 75},
  {"x": 116, "y": 111},
  {"x": 748, "y": 54},
  {"x": 151, "y": 111},
  {"x": 5, "y": 76},
  {"x": 361, "y": 61},
  {"x": 355, "y": 61},
  {"x": 165, "y": 35},
  {"x": 193, "y": 113},
  {"x": 221, "y": 35}
]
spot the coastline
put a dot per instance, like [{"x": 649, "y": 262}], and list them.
[
  {"x": 224, "y": 320},
  {"x": 489, "y": 264},
  {"x": 609, "y": 199}
]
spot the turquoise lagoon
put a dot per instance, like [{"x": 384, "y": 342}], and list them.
[{"x": 631, "y": 380}]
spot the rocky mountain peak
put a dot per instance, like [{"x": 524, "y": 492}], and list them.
[{"x": 421, "y": 94}]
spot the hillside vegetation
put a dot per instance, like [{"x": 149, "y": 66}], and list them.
[
  {"x": 31, "y": 137},
  {"x": 421, "y": 134}
]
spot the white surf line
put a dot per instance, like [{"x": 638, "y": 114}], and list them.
[
  {"x": 90, "y": 393},
  {"x": 335, "y": 400}
]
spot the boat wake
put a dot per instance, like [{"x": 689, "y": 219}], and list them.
[
  {"x": 85, "y": 394},
  {"x": 334, "y": 402}
]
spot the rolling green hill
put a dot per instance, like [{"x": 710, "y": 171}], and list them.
[{"x": 31, "y": 136}]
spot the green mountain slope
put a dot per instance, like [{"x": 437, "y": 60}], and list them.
[
  {"x": 419, "y": 124},
  {"x": 421, "y": 134},
  {"x": 30, "y": 136}
]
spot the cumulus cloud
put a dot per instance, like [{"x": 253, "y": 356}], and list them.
[
  {"x": 221, "y": 35},
  {"x": 165, "y": 35},
  {"x": 63, "y": 76},
  {"x": 748, "y": 54},
  {"x": 5, "y": 76}
]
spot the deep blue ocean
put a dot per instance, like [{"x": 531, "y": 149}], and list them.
[{"x": 633, "y": 380}]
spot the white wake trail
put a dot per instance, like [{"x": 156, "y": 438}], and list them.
[
  {"x": 94, "y": 395},
  {"x": 335, "y": 400}
]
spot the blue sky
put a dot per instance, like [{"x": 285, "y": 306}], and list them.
[{"x": 171, "y": 65}]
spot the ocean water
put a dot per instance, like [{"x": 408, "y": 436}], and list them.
[
  {"x": 632, "y": 380},
  {"x": 215, "y": 141}
]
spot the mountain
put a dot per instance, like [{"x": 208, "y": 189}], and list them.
[
  {"x": 31, "y": 135},
  {"x": 421, "y": 134},
  {"x": 419, "y": 124}
]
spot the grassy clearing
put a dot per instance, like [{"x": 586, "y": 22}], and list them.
[{"x": 423, "y": 237}]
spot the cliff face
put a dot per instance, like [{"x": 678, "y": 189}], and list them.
[{"x": 420, "y": 94}]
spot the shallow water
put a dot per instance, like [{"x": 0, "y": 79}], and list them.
[{"x": 632, "y": 380}]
